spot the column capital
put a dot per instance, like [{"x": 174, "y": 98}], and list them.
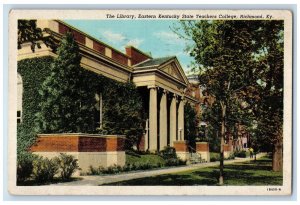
[
  {"x": 164, "y": 91},
  {"x": 175, "y": 95},
  {"x": 152, "y": 87},
  {"x": 183, "y": 99}
]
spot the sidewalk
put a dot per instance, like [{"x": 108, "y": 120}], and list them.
[{"x": 99, "y": 180}]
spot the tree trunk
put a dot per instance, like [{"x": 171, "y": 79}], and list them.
[
  {"x": 221, "y": 178},
  {"x": 277, "y": 165}
]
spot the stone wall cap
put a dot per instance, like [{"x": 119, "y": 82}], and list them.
[
  {"x": 201, "y": 142},
  {"x": 180, "y": 141},
  {"x": 80, "y": 135}
]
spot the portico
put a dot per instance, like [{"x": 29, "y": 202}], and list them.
[{"x": 166, "y": 83}]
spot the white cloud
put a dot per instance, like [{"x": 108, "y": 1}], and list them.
[
  {"x": 169, "y": 37},
  {"x": 135, "y": 42},
  {"x": 166, "y": 35},
  {"x": 113, "y": 37}
]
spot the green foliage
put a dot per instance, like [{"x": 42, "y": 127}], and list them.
[
  {"x": 62, "y": 105},
  {"x": 33, "y": 72},
  {"x": 190, "y": 124},
  {"x": 214, "y": 156},
  {"x": 139, "y": 159},
  {"x": 240, "y": 63},
  {"x": 241, "y": 154},
  {"x": 24, "y": 166},
  {"x": 44, "y": 169},
  {"x": 113, "y": 169},
  {"x": 231, "y": 156},
  {"x": 170, "y": 157},
  {"x": 251, "y": 173},
  {"x": 123, "y": 112},
  {"x": 135, "y": 162},
  {"x": 67, "y": 165},
  {"x": 29, "y": 32},
  {"x": 122, "y": 106},
  {"x": 168, "y": 153}
]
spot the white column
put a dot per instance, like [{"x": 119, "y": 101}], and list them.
[
  {"x": 153, "y": 119},
  {"x": 181, "y": 119},
  {"x": 173, "y": 119},
  {"x": 163, "y": 121}
]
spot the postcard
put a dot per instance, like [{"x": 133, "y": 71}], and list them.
[{"x": 150, "y": 102}]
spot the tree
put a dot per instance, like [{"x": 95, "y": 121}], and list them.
[
  {"x": 191, "y": 121},
  {"x": 265, "y": 97},
  {"x": 29, "y": 32},
  {"x": 65, "y": 103},
  {"x": 229, "y": 56},
  {"x": 123, "y": 112}
]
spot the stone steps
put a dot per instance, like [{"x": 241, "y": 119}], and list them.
[{"x": 196, "y": 158}]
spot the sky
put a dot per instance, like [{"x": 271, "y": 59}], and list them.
[{"x": 150, "y": 36}]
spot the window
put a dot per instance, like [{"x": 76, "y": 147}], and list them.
[
  {"x": 98, "y": 114},
  {"x": 19, "y": 98},
  {"x": 18, "y": 116}
]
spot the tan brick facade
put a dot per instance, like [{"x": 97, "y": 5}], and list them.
[
  {"x": 181, "y": 146},
  {"x": 202, "y": 147}
]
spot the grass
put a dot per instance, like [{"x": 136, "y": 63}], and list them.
[
  {"x": 144, "y": 159},
  {"x": 214, "y": 156},
  {"x": 238, "y": 174}
]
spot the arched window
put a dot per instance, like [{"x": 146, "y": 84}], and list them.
[{"x": 19, "y": 98}]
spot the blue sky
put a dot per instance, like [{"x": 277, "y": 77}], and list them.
[{"x": 153, "y": 36}]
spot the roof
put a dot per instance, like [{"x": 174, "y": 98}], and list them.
[
  {"x": 138, "y": 50},
  {"x": 154, "y": 62}
]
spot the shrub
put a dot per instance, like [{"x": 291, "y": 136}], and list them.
[
  {"x": 24, "y": 166},
  {"x": 231, "y": 156},
  {"x": 67, "y": 165},
  {"x": 241, "y": 154},
  {"x": 115, "y": 169},
  {"x": 168, "y": 153},
  {"x": 44, "y": 169},
  {"x": 170, "y": 157},
  {"x": 175, "y": 162},
  {"x": 93, "y": 171}
]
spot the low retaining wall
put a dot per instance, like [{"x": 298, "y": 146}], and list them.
[
  {"x": 202, "y": 148},
  {"x": 182, "y": 150},
  {"x": 90, "y": 149}
]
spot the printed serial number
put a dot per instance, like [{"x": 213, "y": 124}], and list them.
[{"x": 273, "y": 189}]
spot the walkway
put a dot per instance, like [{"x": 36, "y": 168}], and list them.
[{"x": 99, "y": 180}]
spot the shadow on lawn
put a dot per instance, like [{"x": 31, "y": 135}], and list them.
[
  {"x": 167, "y": 180},
  {"x": 248, "y": 173}
]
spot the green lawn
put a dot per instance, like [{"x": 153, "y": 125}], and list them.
[
  {"x": 144, "y": 159},
  {"x": 247, "y": 173}
]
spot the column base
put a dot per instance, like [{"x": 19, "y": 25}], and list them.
[
  {"x": 202, "y": 148},
  {"x": 185, "y": 156}
]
